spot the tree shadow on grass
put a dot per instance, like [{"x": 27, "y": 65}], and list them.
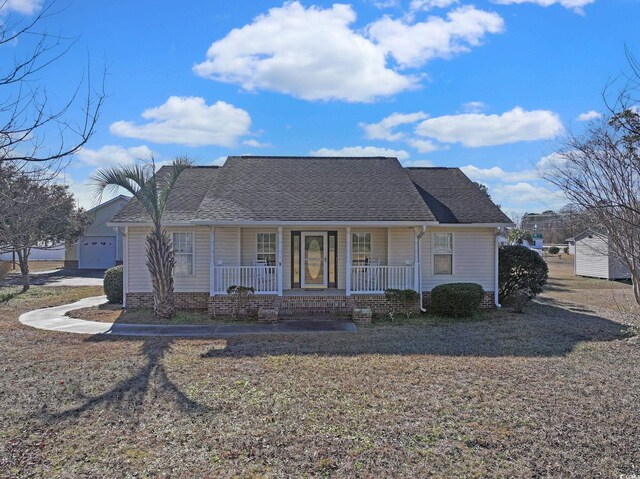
[
  {"x": 128, "y": 396},
  {"x": 544, "y": 331}
]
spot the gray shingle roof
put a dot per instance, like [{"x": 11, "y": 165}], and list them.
[
  {"x": 312, "y": 189},
  {"x": 186, "y": 196},
  {"x": 321, "y": 189},
  {"x": 453, "y": 198}
]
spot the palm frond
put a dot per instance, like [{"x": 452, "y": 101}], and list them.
[{"x": 177, "y": 167}]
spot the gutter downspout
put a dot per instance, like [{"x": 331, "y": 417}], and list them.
[
  {"x": 497, "y": 282},
  {"x": 424, "y": 230}
]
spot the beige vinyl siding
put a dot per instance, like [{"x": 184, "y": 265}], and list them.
[
  {"x": 227, "y": 246},
  {"x": 401, "y": 246},
  {"x": 139, "y": 280},
  {"x": 473, "y": 258},
  {"x": 592, "y": 257}
]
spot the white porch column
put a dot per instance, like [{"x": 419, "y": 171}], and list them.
[
  {"x": 416, "y": 260},
  {"x": 125, "y": 265},
  {"x": 279, "y": 260},
  {"x": 212, "y": 263},
  {"x": 347, "y": 274}
]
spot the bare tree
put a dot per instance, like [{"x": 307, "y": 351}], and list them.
[
  {"x": 40, "y": 214},
  {"x": 599, "y": 171},
  {"x": 33, "y": 128}
]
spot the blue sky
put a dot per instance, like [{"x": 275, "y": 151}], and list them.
[{"x": 487, "y": 85}]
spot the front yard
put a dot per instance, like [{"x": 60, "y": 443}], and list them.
[{"x": 554, "y": 392}]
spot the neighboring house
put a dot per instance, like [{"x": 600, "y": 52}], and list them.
[
  {"x": 101, "y": 245},
  {"x": 595, "y": 258},
  {"x": 317, "y": 233},
  {"x": 571, "y": 245}
]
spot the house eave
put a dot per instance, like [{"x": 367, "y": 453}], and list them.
[{"x": 313, "y": 223}]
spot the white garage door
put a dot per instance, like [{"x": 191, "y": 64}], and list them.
[{"x": 97, "y": 252}]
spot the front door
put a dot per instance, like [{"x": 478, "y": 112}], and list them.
[{"x": 314, "y": 260}]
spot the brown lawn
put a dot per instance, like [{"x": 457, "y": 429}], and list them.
[{"x": 550, "y": 393}]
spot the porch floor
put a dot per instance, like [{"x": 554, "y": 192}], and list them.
[{"x": 314, "y": 292}]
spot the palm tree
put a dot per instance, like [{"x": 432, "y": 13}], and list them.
[
  {"x": 152, "y": 191},
  {"x": 519, "y": 236}
]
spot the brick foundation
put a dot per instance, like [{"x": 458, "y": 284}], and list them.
[
  {"x": 288, "y": 306},
  {"x": 183, "y": 300},
  {"x": 487, "y": 302}
]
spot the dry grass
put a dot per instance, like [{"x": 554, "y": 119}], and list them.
[
  {"x": 551, "y": 393},
  {"x": 35, "y": 266},
  {"x": 110, "y": 313}
]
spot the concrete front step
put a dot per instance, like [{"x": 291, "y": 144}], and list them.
[{"x": 307, "y": 313}]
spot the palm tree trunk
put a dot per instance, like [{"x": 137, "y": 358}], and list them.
[{"x": 160, "y": 261}]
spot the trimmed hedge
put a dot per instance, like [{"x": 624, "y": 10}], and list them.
[
  {"x": 457, "y": 300},
  {"x": 520, "y": 269},
  {"x": 554, "y": 250},
  {"x": 113, "y": 284}
]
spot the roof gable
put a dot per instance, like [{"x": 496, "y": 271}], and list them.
[
  {"x": 312, "y": 189},
  {"x": 453, "y": 198}
]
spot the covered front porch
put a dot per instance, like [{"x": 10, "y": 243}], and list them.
[{"x": 315, "y": 260}]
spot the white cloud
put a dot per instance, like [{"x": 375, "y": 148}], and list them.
[
  {"x": 423, "y": 146},
  {"x": 383, "y": 130},
  {"x": 418, "y": 163},
  {"x": 308, "y": 53},
  {"x": 256, "y": 144},
  {"x": 575, "y": 5},
  {"x": 523, "y": 192},
  {"x": 26, "y": 7},
  {"x": 361, "y": 151},
  {"x": 589, "y": 115},
  {"x": 429, "y": 4},
  {"x": 475, "y": 130},
  {"x": 85, "y": 193},
  {"x": 110, "y": 155},
  {"x": 498, "y": 174},
  {"x": 473, "y": 106},
  {"x": 413, "y": 45},
  {"x": 188, "y": 121},
  {"x": 314, "y": 54},
  {"x": 219, "y": 161}
]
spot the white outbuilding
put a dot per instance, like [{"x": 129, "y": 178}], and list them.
[{"x": 595, "y": 258}]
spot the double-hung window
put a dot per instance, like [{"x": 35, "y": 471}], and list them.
[
  {"x": 266, "y": 248},
  {"x": 443, "y": 253},
  {"x": 360, "y": 248},
  {"x": 183, "y": 252}
]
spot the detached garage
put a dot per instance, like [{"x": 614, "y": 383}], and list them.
[
  {"x": 595, "y": 258},
  {"x": 101, "y": 245}
]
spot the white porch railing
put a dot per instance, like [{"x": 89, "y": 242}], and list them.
[
  {"x": 264, "y": 279},
  {"x": 375, "y": 279}
]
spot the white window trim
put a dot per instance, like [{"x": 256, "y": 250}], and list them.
[
  {"x": 193, "y": 253},
  {"x": 275, "y": 243},
  {"x": 353, "y": 254},
  {"x": 453, "y": 253}
]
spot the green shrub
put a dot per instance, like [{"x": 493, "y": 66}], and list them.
[
  {"x": 240, "y": 295},
  {"x": 554, "y": 250},
  {"x": 405, "y": 301},
  {"x": 113, "y": 284},
  {"x": 520, "y": 269},
  {"x": 457, "y": 300}
]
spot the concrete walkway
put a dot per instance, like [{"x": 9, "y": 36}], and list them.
[{"x": 54, "y": 319}]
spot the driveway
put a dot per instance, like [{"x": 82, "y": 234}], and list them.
[{"x": 60, "y": 277}]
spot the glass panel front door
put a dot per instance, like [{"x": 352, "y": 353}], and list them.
[{"x": 314, "y": 268}]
